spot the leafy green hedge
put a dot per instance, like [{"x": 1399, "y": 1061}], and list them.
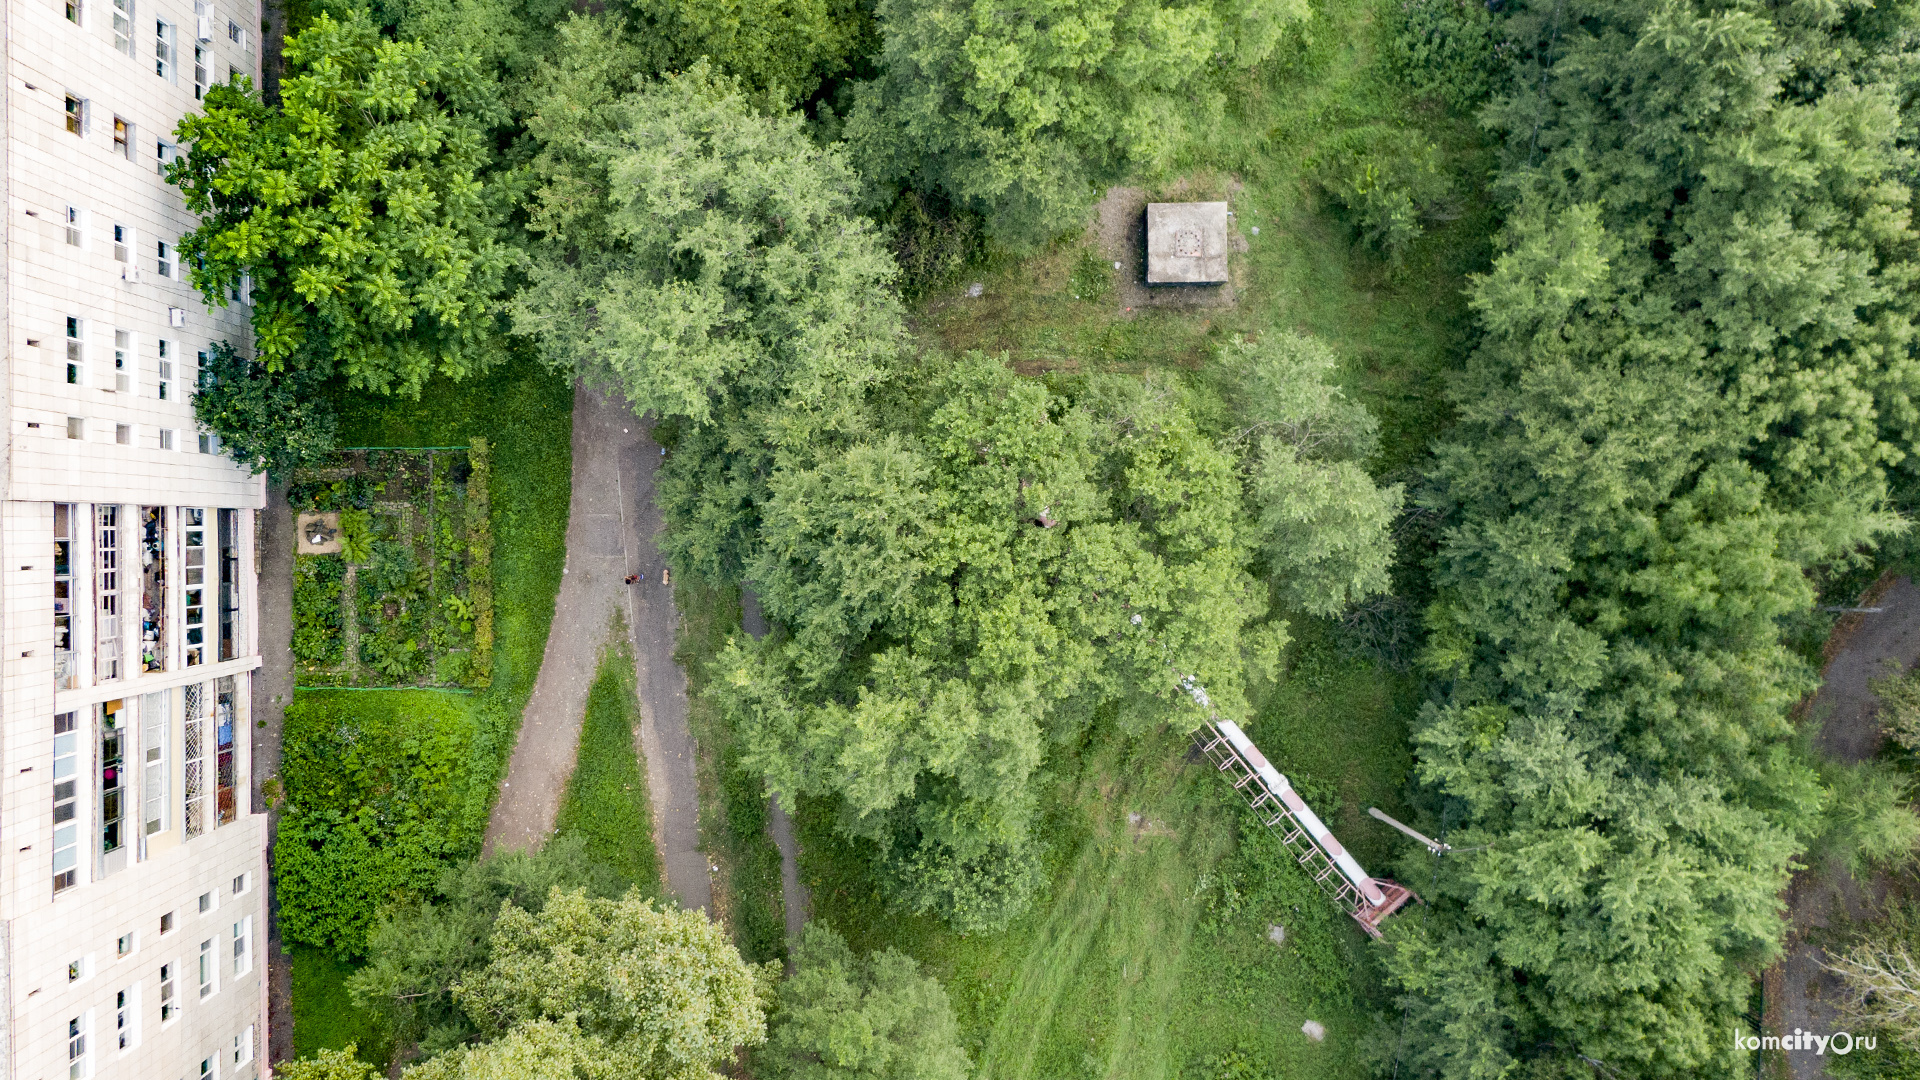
[
  {"x": 480, "y": 563},
  {"x": 376, "y": 788}
]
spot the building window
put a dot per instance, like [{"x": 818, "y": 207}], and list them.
[
  {"x": 166, "y": 924},
  {"x": 164, "y": 385},
  {"x": 243, "y": 1046},
  {"x": 169, "y": 1001},
  {"x": 163, "y": 259},
  {"x": 195, "y": 567},
  {"x": 166, "y": 438},
  {"x": 113, "y": 786},
  {"x": 209, "y": 972},
  {"x": 123, "y": 140},
  {"x": 199, "y": 73},
  {"x": 123, "y": 947},
  {"x": 76, "y": 351},
  {"x": 236, "y": 34},
  {"x": 123, "y": 26},
  {"x": 77, "y": 1064},
  {"x": 193, "y": 758},
  {"x": 76, "y": 115},
  {"x": 126, "y": 1017},
  {"x": 207, "y": 1069},
  {"x": 209, "y": 442},
  {"x": 76, "y": 428},
  {"x": 123, "y": 361},
  {"x": 66, "y": 808},
  {"x": 75, "y": 236},
  {"x": 243, "y": 289},
  {"x": 224, "y": 765},
  {"x": 163, "y": 152},
  {"x": 65, "y": 670},
  {"x": 122, "y": 241},
  {"x": 153, "y": 601},
  {"x": 243, "y": 946},
  {"x": 77, "y": 969},
  {"x": 153, "y": 761},
  {"x": 73, "y": 12},
  {"x": 229, "y": 589},
  {"x": 208, "y": 901},
  {"x": 163, "y": 49},
  {"x": 106, "y": 588},
  {"x": 240, "y": 885},
  {"x": 123, "y": 434}
]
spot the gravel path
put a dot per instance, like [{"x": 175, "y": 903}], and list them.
[
  {"x": 1798, "y": 989},
  {"x": 794, "y": 897},
  {"x": 272, "y": 689},
  {"x": 611, "y": 523}
]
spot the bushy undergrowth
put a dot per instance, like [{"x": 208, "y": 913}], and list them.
[{"x": 385, "y": 789}]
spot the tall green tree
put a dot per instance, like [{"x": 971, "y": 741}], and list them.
[
  {"x": 708, "y": 261},
  {"x": 1696, "y": 370},
  {"x": 985, "y": 577},
  {"x": 1014, "y": 109},
  {"x": 1325, "y": 526},
  {"x": 846, "y": 1017},
  {"x": 270, "y": 421},
  {"x": 617, "y": 987},
  {"x": 353, "y": 213}
]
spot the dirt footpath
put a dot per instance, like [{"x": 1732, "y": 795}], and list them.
[
  {"x": 611, "y": 529},
  {"x": 793, "y": 895},
  {"x": 1798, "y": 989}
]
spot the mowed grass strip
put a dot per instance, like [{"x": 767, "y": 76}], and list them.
[{"x": 606, "y": 799}]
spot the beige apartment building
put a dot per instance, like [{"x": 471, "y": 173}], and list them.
[{"x": 131, "y": 863}]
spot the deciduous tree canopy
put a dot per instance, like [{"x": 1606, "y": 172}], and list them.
[{"x": 354, "y": 211}]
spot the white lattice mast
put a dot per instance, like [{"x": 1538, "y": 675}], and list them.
[{"x": 1234, "y": 756}]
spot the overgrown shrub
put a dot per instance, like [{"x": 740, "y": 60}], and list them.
[
  {"x": 375, "y": 783},
  {"x": 1453, "y": 50},
  {"x": 932, "y": 241},
  {"x": 1389, "y": 181},
  {"x": 316, "y": 609}
]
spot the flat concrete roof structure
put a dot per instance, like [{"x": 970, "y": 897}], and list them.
[{"x": 1187, "y": 243}]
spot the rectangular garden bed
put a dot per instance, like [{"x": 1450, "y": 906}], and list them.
[{"x": 393, "y": 580}]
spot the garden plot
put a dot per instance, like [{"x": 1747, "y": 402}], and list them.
[{"x": 393, "y": 580}]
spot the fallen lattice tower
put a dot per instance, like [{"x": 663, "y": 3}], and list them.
[{"x": 1368, "y": 899}]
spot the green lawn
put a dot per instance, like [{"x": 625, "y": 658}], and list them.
[
  {"x": 733, "y": 800},
  {"x": 606, "y": 800},
  {"x": 324, "y": 1017}
]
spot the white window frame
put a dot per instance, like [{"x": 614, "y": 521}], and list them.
[
  {"x": 209, "y": 969},
  {"x": 76, "y": 227},
  {"x": 66, "y": 835},
  {"x": 163, "y": 369},
  {"x": 123, "y": 241},
  {"x": 166, "y": 438},
  {"x": 163, "y": 152},
  {"x": 126, "y": 358},
  {"x": 79, "y": 1046},
  {"x": 166, "y": 50},
  {"x": 76, "y": 340},
  {"x": 126, "y": 1018},
  {"x": 169, "y": 992},
  {"x": 163, "y": 259},
  {"x": 123, "y": 24},
  {"x": 243, "y": 946},
  {"x": 243, "y": 1047}
]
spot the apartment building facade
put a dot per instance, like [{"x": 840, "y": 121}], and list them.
[{"x": 131, "y": 866}]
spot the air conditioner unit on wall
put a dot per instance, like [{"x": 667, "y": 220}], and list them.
[
  {"x": 176, "y": 316},
  {"x": 204, "y": 28},
  {"x": 129, "y": 272}
]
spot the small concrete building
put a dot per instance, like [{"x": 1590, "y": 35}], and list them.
[{"x": 1187, "y": 243}]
